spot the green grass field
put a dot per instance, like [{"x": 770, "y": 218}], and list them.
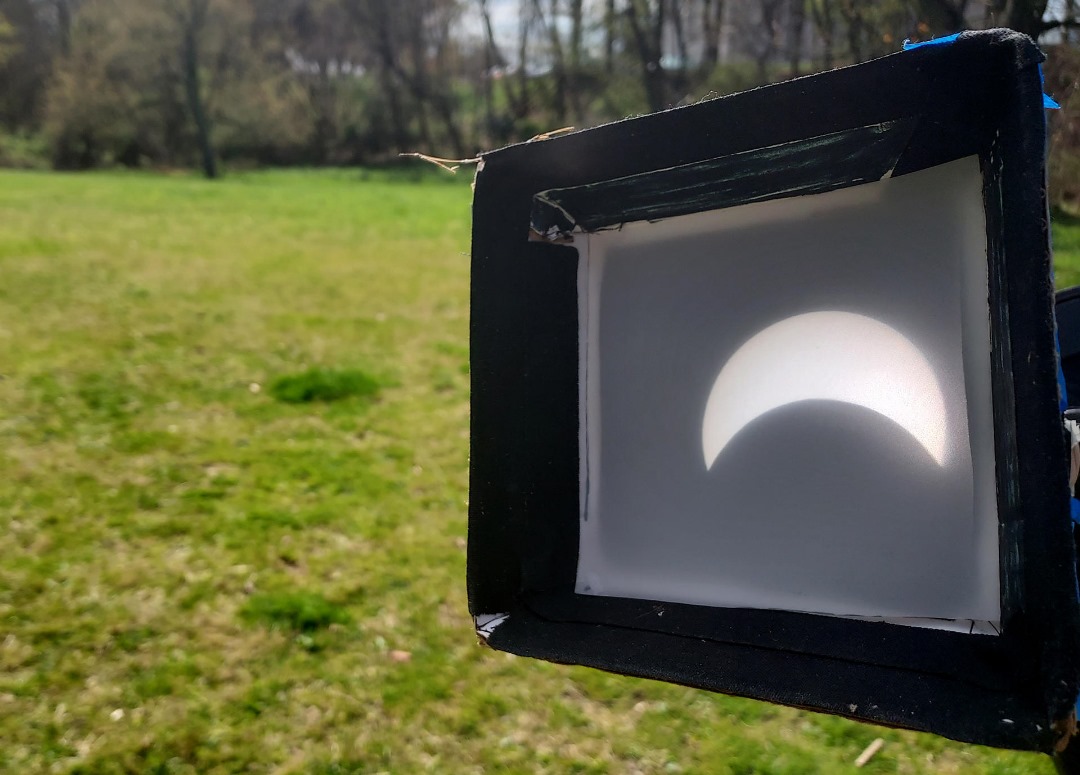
[{"x": 233, "y": 483}]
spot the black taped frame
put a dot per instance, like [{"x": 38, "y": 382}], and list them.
[
  {"x": 909, "y": 649},
  {"x": 925, "y": 702},
  {"x": 978, "y": 96},
  {"x": 811, "y": 166}
]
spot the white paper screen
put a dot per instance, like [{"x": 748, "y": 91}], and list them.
[{"x": 787, "y": 405}]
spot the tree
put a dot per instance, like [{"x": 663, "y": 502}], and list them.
[
  {"x": 712, "y": 20},
  {"x": 202, "y": 82},
  {"x": 647, "y": 20},
  {"x": 409, "y": 44},
  {"x": 824, "y": 16},
  {"x": 24, "y": 64},
  {"x": 167, "y": 81},
  {"x": 313, "y": 44},
  {"x": 191, "y": 16}
]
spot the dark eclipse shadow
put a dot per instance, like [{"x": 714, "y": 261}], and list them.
[{"x": 830, "y": 502}]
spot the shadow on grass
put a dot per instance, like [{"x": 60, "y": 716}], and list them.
[
  {"x": 324, "y": 385},
  {"x": 299, "y": 611}
]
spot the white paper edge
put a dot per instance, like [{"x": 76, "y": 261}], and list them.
[{"x": 486, "y": 624}]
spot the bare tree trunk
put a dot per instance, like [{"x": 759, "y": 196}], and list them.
[
  {"x": 321, "y": 92},
  {"x": 680, "y": 35},
  {"x": 443, "y": 92},
  {"x": 563, "y": 95},
  {"x": 1022, "y": 15},
  {"x": 492, "y": 54},
  {"x": 193, "y": 25},
  {"x": 425, "y": 128},
  {"x": 417, "y": 87},
  {"x": 853, "y": 18},
  {"x": 944, "y": 16},
  {"x": 648, "y": 45},
  {"x": 577, "y": 27},
  {"x": 824, "y": 21},
  {"x": 397, "y": 116},
  {"x": 523, "y": 58},
  {"x": 445, "y": 110},
  {"x": 712, "y": 21},
  {"x": 63, "y": 23},
  {"x": 375, "y": 18},
  {"x": 795, "y": 36},
  {"x": 609, "y": 35},
  {"x": 492, "y": 58},
  {"x": 770, "y": 10},
  {"x": 410, "y": 43}
]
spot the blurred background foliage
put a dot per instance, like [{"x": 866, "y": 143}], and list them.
[{"x": 193, "y": 83}]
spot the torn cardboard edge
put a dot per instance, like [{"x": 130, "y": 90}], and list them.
[{"x": 486, "y": 624}]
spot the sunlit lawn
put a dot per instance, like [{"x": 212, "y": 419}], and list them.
[{"x": 233, "y": 483}]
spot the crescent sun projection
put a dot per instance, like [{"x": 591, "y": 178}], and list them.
[{"x": 832, "y": 356}]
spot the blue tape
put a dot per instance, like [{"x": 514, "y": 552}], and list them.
[
  {"x": 1063, "y": 395},
  {"x": 1048, "y": 102},
  {"x": 908, "y": 45}
]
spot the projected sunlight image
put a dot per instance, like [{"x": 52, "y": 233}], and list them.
[
  {"x": 833, "y": 356},
  {"x": 787, "y": 405}
]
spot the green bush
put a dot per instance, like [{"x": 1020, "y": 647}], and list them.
[{"x": 23, "y": 151}]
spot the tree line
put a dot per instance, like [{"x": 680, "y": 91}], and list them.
[{"x": 195, "y": 83}]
